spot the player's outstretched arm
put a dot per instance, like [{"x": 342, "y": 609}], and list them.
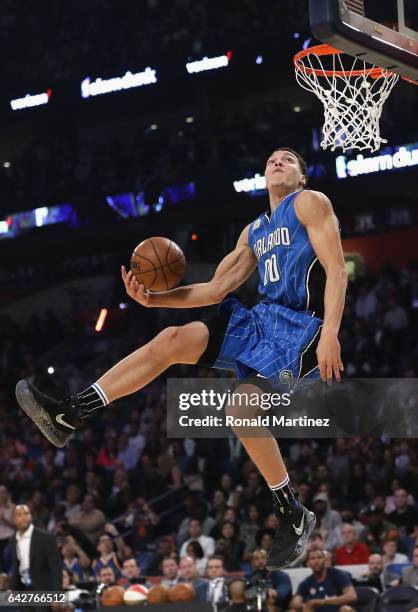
[
  {"x": 230, "y": 274},
  {"x": 315, "y": 211}
]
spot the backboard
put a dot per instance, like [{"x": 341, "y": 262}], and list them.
[{"x": 381, "y": 32}]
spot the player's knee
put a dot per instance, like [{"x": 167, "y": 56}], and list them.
[{"x": 166, "y": 342}]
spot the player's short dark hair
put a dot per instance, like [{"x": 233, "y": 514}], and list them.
[{"x": 303, "y": 166}]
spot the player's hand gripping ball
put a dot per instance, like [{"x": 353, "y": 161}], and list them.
[{"x": 158, "y": 263}]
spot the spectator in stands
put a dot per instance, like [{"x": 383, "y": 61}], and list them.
[
  {"x": 89, "y": 519},
  {"x": 131, "y": 574},
  {"x": 328, "y": 519},
  {"x": 39, "y": 510},
  {"x": 395, "y": 318},
  {"x": 68, "y": 579},
  {"x": 352, "y": 552},
  {"x": 324, "y": 583},
  {"x": 404, "y": 516},
  {"x": 4, "y": 586},
  {"x": 376, "y": 528},
  {"x": 128, "y": 453},
  {"x": 265, "y": 538},
  {"x": 376, "y": 577},
  {"x": 217, "y": 591},
  {"x": 281, "y": 586},
  {"x": 74, "y": 558},
  {"x": 394, "y": 486},
  {"x": 249, "y": 529},
  {"x": 366, "y": 303},
  {"x": 165, "y": 549},
  {"x": 170, "y": 570},
  {"x": 230, "y": 547},
  {"x": 334, "y": 539},
  {"x": 236, "y": 596},
  {"x": 106, "y": 576},
  {"x": 195, "y": 533},
  {"x": 390, "y": 552},
  {"x": 410, "y": 574},
  {"x": 72, "y": 500},
  {"x": 7, "y": 526},
  {"x": 195, "y": 551},
  {"x": 107, "y": 556},
  {"x": 188, "y": 573},
  {"x": 218, "y": 505},
  {"x": 315, "y": 540},
  {"x": 107, "y": 456},
  {"x": 271, "y": 521}
]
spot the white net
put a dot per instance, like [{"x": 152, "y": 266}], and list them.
[{"x": 353, "y": 98}]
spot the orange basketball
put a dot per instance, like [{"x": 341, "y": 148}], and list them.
[
  {"x": 158, "y": 263},
  {"x": 157, "y": 594},
  {"x": 182, "y": 592},
  {"x": 113, "y": 596}
]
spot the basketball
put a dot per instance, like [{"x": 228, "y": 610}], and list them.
[
  {"x": 113, "y": 596},
  {"x": 157, "y": 594},
  {"x": 158, "y": 263},
  {"x": 136, "y": 594},
  {"x": 182, "y": 592}
]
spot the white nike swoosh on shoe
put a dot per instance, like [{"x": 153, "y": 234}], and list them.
[
  {"x": 61, "y": 421},
  {"x": 298, "y": 530}
]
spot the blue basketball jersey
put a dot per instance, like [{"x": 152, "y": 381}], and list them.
[
  {"x": 277, "y": 337},
  {"x": 287, "y": 264}
]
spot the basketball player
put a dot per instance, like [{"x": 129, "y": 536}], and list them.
[{"x": 289, "y": 335}]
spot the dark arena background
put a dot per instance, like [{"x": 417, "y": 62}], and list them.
[{"x": 125, "y": 120}]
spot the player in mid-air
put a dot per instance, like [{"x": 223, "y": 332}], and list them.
[{"x": 291, "y": 334}]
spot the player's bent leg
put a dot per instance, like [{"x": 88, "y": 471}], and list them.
[
  {"x": 59, "y": 419},
  {"x": 183, "y": 344},
  {"x": 296, "y": 522}
]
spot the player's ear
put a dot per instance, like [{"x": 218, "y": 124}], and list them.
[{"x": 302, "y": 181}]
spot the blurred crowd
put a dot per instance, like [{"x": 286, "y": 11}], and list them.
[{"x": 123, "y": 498}]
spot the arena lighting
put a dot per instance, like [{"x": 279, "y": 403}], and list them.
[
  {"x": 31, "y": 100},
  {"x": 209, "y": 63},
  {"x": 128, "y": 81},
  {"x": 101, "y": 320},
  {"x": 17, "y": 223},
  {"x": 251, "y": 185},
  {"x": 392, "y": 158},
  {"x": 50, "y": 370},
  {"x": 41, "y": 214}
]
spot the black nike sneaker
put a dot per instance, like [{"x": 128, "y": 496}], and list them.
[
  {"x": 296, "y": 525},
  {"x": 57, "y": 420}
]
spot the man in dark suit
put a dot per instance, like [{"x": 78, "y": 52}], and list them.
[
  {"x": 217, "y": 587},
  {"x": 37, "y": 564}
]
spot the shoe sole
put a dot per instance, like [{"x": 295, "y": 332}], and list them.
[
  {"x": 38, "y": 415},
  {"x": 300, "y": 547}
]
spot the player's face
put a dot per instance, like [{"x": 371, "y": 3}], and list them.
[{"x": 282, "y": 170}]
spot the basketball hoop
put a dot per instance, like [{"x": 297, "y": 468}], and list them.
[{"x": 353, "y": 98}]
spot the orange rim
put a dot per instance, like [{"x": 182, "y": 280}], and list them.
[{"x": 320, "y": 50}]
